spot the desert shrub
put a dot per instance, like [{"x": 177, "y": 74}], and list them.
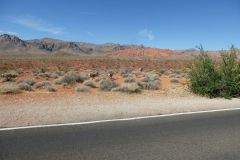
[
  {"x": 151, "y": 85},
  {"x": 54, "y": 75},
  {"x": 125, "y": 75},
  {"x": 19, "y": 70},
  {"x": 48, "y": 75},
  {"x": 9, "y": 75},
  {"x": 82, "y": 89},
  {"x": 60, "y": 73},
  {"x": 71, "y": 78},
  {"x": 204, "y": 77},
  {"x": 174, "y": 80},
  {"x": 129, "y": 80},
  {"x": 230, "y": 74},
  {"x": 25, "y": 86},
  {"x": 51, "y": 89},
  {"x": 172, "y": 75},
  {"x": 45, "y": 74},
  {"x": 41, "y": 84},
  {"x": 63, "y": 69},
  {"x": 107, "y": 85},
  {"x": 58, "y": 82},
  {"x": 162, "y": 70},
  {"x": 90, "y": 84},
  {"x": 150, "y": 82},
  {"x": 185, "y": 75},
  {"x": 212, "y": 79},
  {"x": 39, "y": 70},
  {"x": 150, "y": 77},
  {"x": 125, "y": 71},
  {"x": 30, "y": 82},
  {"x": 128, "y": 88},
  {"x": 177, "y": 71},
  {"x": 9, "y": 89},
  {"x": 97, "y": 79},
  {"x": 168, "y": 72}
]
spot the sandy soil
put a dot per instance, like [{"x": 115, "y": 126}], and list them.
[{"x": 47, "y": 108}]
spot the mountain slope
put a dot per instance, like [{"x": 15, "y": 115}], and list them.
[
  {"x": 10, "y": 44},
  {"x": 149, "y": 52}
]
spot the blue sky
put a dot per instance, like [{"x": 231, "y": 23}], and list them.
[{"x": 174, "y": 24}]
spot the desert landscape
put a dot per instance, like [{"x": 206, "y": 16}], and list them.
[
  {"x": 51, "y": 81},
  {"x": 129, "y": 69},
  {"x": 119, "y": 80}
]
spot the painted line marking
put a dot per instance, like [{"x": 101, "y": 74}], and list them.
[{"x": 116, "y": 120}]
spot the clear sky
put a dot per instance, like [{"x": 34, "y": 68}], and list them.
[{"x": 174, "y": 24}]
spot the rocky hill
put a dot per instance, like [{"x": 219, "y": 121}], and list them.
[{"x": 10, "y": 44}]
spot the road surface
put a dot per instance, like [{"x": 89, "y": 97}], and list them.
[{"x": 203, "y": 136}]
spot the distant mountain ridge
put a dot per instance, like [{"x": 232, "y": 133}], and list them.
[{"x": 10, "y": 44}]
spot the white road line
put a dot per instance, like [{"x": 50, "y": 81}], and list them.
[{"x": 115, "y": 120}]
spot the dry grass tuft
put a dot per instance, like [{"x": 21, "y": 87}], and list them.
[
  {"x": 25, "y": 86},
  {"x": 129, "y": 80},
  {"x": 71, "y": 78},
  {"x": 51, "y": 89},
  {"x": 128, "y": 88},
  {"x": 82, "y": 89},
  {"x": 90, "y": 83},
  {"x": 151, "y": 85},
  {"x": 10, "y": 88},
  {"x": 174, "y": 80},
  {"x": 41, "y": 84},
  {"x": 107, "y": 85}
]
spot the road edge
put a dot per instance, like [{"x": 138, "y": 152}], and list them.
[{"x": 115, "y": 120}]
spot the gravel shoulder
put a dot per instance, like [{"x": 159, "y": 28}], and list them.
[{"x": 50, "y": 108}]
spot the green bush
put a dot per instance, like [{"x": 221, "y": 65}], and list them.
[
  {"x": 216, "y": 79},
  {"x": 230, "y": 73}
]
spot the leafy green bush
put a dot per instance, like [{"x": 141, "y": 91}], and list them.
[
  {"x": 216, "y": 79},
  {"x": 230, "y": 74}
]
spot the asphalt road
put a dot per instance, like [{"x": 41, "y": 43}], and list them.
[{"x": 205, "y": 136}]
